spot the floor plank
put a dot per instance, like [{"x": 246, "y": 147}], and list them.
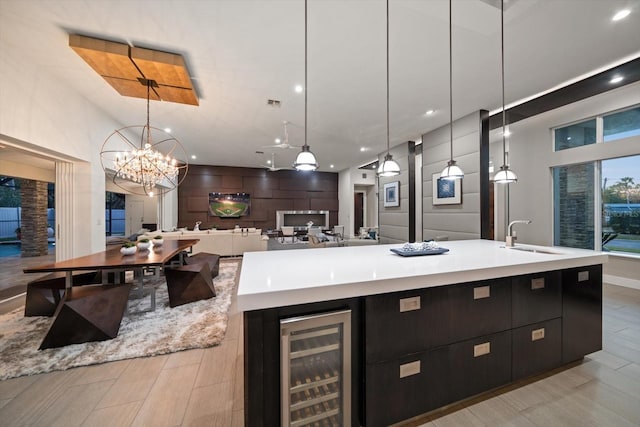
[{"x": 168, "y": 399}]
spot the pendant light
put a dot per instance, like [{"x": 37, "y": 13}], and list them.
[
  {"x": 505, "y": 175},
  {"x": 452, "y": 170},
  {"x": 306, "y": 160},
  {"x": 388, "y": 167}
]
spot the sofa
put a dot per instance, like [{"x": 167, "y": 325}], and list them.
[{"x": 221, "y": 242}]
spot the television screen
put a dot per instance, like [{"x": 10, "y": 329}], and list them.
[{"x": 229, "y": 205}]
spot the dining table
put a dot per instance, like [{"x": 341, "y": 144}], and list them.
[
  {"x": 94, "y": 312},
  {"x": 113, "y": 261}
]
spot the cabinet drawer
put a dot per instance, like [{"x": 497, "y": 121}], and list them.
[
  {"x": 407, "y": 387},
  {"x": 536, "y": 348},
  {"x": 479, "y": 364},
  {"x": 479, "y": 308},
  {"x": 536, "y": 298},
  {"x": 581, "y": 312},
  {"x": 403, "y": 322}
]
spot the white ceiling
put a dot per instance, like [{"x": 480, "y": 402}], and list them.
[{"x": 242, "y": 52}]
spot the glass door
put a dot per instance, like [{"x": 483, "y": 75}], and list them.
[{"x": 316, "y": 370}]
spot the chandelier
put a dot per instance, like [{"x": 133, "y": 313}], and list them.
[{"x": 142, "y": 159}]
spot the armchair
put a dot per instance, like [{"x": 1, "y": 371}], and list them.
[
  {"x": 338, "y": 232},
  {"x": 287, "y": 231}
]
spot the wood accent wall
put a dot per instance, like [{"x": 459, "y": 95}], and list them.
[{"x": 270, "y": 192}]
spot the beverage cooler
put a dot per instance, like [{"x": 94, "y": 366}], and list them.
[{"x": 316, "y": 370}]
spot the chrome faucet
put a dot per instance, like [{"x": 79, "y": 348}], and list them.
[{"x": 511, "y": 235}]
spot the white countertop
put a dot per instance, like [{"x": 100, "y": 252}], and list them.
[{"x": 281, "y": 278}]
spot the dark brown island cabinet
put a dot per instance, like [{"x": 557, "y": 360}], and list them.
[{"x": 409, "y": 352}]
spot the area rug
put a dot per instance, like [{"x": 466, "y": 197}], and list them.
[{"x": 165, "y": 330}]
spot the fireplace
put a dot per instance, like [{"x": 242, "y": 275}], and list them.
[{"x": 299, "y": 219}]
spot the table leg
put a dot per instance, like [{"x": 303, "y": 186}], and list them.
[
  {"x": 139, "y": 291},
  {"x": 68, "y": 280}
]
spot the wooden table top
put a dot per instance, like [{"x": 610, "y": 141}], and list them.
[{"x": 113, "y": 259}]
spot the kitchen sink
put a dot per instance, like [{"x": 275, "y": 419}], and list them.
[{"x": 534, "y": 250}]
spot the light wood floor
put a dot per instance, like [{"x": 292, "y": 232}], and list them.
[{"x": 205, "y": 387}]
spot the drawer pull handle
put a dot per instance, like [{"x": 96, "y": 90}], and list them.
[
  {"x": 481, "y": 349},
  {"x": 537, "y": 283},
  {"x": 481, "y": 292},
  {"x": 409, "y": 304},
  {"x": 408, "y": 369},
  {"x": 537, "y": 334},
  {"x": 583, "y": 276}
]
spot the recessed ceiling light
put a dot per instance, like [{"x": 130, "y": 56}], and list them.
[
  {"x": 616, "y": 79},
  {"x": 507, "y": 132},
  {"x": 621, "y": 15},
  {"x": 277, "y": 141},
  {"x": 268, "y": 162},
  {"x": 167, "y": 130},
  {"x": 298, "y": 88},
  {"x": 362, "y": 149},
  {"x": 331, "y": 166},
  {"x": 373, "y": 166},
  {"x": 429, "y": 112},
  {"x": 568, "y": 138},
  {"x": 193, "y": 156}
]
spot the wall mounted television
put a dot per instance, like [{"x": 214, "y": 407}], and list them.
[{"x": 229, "y": 205}]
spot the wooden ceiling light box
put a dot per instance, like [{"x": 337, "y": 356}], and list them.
[
  {"x": 122, "y": 66},
  {"x": 169, "y": 71}
]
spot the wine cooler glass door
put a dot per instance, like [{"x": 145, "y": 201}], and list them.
[{"x": 316, "y": 370}]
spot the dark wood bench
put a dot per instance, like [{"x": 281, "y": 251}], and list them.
[
  {"x": 204, "y": 257},
  {"x": 189, "y": 283},
  {"x": 45, "y": 293},
  {"x": 88, "y": 313}
]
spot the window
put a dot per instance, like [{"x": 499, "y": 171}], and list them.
[
  {"x": 114, "y": 214},
  {"x": 584, "y": 207},
  {"x": 575, "y": 135},
  {"x": 621, "y": 204},
  {"x": 622, "y": 124},
  {"x": 574, "y": 206}
]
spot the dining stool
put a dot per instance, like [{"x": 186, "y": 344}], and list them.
[
  {"x": 45, "y": 293},
  {"x": 88, "y": 313},
  {"x": 189, "y": 283}
]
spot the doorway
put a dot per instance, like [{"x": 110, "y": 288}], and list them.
[{"x": 358, "y": 212}]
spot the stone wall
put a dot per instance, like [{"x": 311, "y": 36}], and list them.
[{"x": 34, "y": 218}]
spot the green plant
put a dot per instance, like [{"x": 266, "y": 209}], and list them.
[
  {"x": 157, "y": 237},
  {"x": 144, "y": 240},
  {"x": 128, "y": 245}
]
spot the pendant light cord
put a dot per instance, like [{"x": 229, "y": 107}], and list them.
[
  {"x": 504, "y": 114},
  {"x": 148, "y": 122},
  {"x": 305, "y": 73},
  {"x": 387, "y": 77},
  {"x": 450, "y": 82}
]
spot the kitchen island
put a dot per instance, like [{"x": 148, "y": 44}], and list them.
[{"x": 424, "y": 331}]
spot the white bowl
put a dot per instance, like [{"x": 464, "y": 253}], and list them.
[
  {"x": 158, "y": 242},
  {"x": 143, "y": 245},
  {"x": 128, "y": 251}
]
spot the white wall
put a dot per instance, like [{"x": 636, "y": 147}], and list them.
[
  {"x": 457, "y": 222},
  {"x": 532, "y": 157},
  {"x": 39, "y": 114}
]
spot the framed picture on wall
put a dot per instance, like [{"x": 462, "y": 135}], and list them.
[
  {"x": 392, "y": 194},
  {"x": 446, "y": 191}
]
